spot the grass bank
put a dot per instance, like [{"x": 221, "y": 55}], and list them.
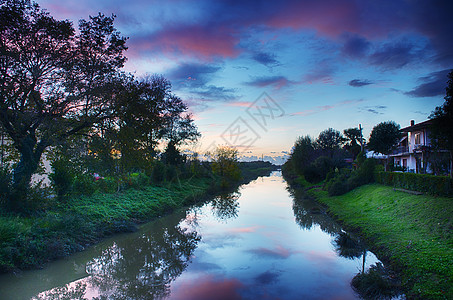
[
  {"x": 29, "y": 242},
  {"x": 411, "y": 232}
]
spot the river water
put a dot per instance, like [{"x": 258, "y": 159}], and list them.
[{"x": 262, "y": 242}]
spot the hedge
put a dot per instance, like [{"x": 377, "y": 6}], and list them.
[{"x": 429, "y": 184}]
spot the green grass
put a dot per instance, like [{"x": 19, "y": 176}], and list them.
[
  {"x": 412, "y": 232},
  {"x": 28, "y": 242}
]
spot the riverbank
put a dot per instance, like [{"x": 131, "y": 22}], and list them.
[
  {"x": 412, "y": 233},
  {"x": 30, "y": 242}
]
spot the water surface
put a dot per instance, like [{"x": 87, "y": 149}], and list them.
[{"x": 261, "y": 242}]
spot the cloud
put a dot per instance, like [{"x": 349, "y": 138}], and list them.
[
  {"x": 205, "y": 287},
  {"x": 359, "y": 82},
  {"x": 279, "y": 252},
  {"x": 267, "y": 277},
  {"x": 266, "y": 59},
  {"x": 193, "y": 74},
  {"x": 394, "y": 56},
  {"x": 323, "y": 72},
  {"x": 276, "y": 81},
  {"x": 355, "y": 46},
  {"x": 322, "y": 108},
  {"x": 431, "y": 85},
  {"x": 373, "y": 109}
]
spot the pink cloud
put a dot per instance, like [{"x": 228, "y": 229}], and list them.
[
  {"x": 208, "y": 287},
  {"x": 240, "y": 104},
  {"x": 195, "y": 40},
  {"x": 244, "y": 229}
]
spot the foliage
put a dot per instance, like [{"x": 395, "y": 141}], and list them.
[
  {"x": 374, "y": 284},
  {"x": 346, "y": 180},
  {"x": 54, "y": 82},
  {"x": 62, "y": 178},
  {"x": 329, "y": 140},
  {"x": 425, "y": 183},
  {"x": 353, "y": 139},
  {"x": 303, "y": 153},
  {"x": 442, "y": 122},
  {"x": 384, "y": 137},
  {"x": 225, "y": 165}
]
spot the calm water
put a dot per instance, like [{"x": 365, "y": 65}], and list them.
[{"x": 262, "y": 242}]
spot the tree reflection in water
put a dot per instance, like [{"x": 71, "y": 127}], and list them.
[
  {"x": 144, "y": 268},
  {"x": 308, "y": 213},
  {"x": 226, "y": 206}
]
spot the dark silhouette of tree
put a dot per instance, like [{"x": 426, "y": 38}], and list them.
[
  {"x": 384, "y": 137},
  {"x": 442, "y": 126},
  {"x": 353, "y": 138},
  {"x": 330, "y": 140},
  {"x": 53, "y": 82},
  {"x": 303, "y": 153}
]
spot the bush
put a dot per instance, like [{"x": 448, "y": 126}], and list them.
[
  {"x": 108, "y": 185},
  {"x": 62, "y": 178},
  {"x": 84, "y": 184},
  {"x": 5, "y": 185},
  {"x": 425, "y": 183},
  {"x": 158, "y": 172}
]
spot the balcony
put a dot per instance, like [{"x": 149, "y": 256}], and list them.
[{"x": 400, "y": 150}]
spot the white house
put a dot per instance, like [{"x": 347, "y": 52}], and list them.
[{"x": 412, "y": 150}]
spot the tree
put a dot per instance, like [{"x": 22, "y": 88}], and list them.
[
  {"x": 442, "y": 126},
  {"x": 303, "y": 153},
  {"x": 353, "y": 137},
  {"x": 225, "y": 164},
  {"x": 384, "y": 137},
  {"x": 53, "y": 82},
  {"x": 330, "y": 140}
]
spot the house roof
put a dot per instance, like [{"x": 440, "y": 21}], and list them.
[{"x": 418, "y": 126}]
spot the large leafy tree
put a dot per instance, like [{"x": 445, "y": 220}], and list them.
[
  {"x": 353, "y": 138},
  {"x": 53, "y": 82},
  {"x": 384, "y": 137},
  {"x": 330, "y": 140},
  {"x": 442, "y": 126}
]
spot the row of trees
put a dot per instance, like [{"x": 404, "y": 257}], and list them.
[
  {"x": 315, "y": 158},
  {"x": 64, "y": 89}
]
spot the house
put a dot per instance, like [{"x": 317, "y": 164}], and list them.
[{"x": 413, "y": 150}]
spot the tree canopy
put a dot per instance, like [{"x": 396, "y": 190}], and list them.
[
  {"x": 442, "y": 122},
  {"x": 384, "y": 137}
]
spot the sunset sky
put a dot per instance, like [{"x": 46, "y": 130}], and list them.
[{"x": 258, "y": 74}]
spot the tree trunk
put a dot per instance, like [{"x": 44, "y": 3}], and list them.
[{"x": 30, "y": 156}]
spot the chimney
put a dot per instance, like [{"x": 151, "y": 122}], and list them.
[{"x": 412, "y": 122}]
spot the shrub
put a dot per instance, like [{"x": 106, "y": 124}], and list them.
[
  {"x": 62, "y": 178},
  {"x": 158, "y": 172},
  {"x": 425, "y": 183},
  {"x": 84, "y": 184},
  {"x": 108, "y": 185},
  {"x": 5, "y": 185}
]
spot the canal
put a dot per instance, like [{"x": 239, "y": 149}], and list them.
[{"x": 261, "y": 242}]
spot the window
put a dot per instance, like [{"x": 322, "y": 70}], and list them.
[
  {"x": 405, "y": 163},
  {"x": 417, "y": 138}
]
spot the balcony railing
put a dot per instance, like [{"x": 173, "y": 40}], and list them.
[{"x": 400, "y": 150}]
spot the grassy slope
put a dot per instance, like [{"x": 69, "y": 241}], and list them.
[
  {"x": 30, "y": 242},
  {"x": 413, "y": 233}
]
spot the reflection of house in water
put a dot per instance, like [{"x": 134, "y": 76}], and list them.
[{"x": 413, "y": 150}]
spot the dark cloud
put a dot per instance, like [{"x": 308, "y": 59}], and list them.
[
  {"x": 267, "y": 277},
  {"x": 193, "y": 74},
  {"x": 218, "y": 93},
  {"x": 276, "y": 81},
  {"x": 266, "y": 59},
  {"x": 359, "y": 82},
  {"x": 393, "y": 56},
  {"x": 355, "y": 46},
  {"x": 432, "y": 85}
]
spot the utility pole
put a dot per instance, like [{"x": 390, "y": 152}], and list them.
[{"x": 361, "y": 138}]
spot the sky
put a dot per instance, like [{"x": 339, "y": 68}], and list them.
[{"x": 259, "y": 74}]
